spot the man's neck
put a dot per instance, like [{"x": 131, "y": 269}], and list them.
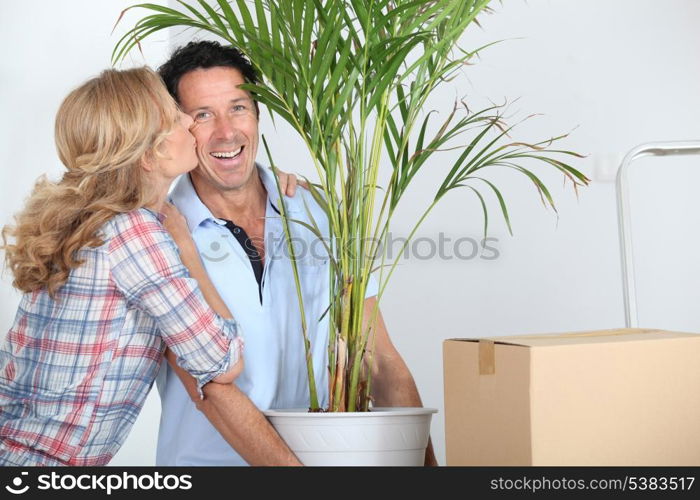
[{"x": 242, "y": 206}]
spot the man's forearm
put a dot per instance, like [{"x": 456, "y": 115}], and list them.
[
  {"x": 244, "y": 427},
  {"x": 392, "y": 382},
  {"x": 238, "y": 421},
  {"x": 394, "y": 386},
  {"x": 401, "y": 391}
]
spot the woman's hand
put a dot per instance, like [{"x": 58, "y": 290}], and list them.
[
  {"x": 176, "y": 224},
  {"x": 288, "y": 183}
]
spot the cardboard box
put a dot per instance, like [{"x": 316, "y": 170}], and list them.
[{"x": 613, "y": 397}]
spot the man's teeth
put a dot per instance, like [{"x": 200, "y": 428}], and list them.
[{"x": 228, "y": 154}]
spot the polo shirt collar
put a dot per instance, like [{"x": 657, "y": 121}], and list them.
[{"x": 184, "y": 196}]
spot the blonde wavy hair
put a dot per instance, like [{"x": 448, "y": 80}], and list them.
[{"x": 104, "y": 130}]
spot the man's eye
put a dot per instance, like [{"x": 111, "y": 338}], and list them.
[
  {"x": 202, "y": 116},
  {"x": 239, "y": 108}
]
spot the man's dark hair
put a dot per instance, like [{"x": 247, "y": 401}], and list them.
[{"x": 203, "y": 55}]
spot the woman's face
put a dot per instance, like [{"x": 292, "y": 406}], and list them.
[{"x": 178, "y": 150}]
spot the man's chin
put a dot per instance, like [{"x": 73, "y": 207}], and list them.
[
  {"x": 229, "y": 183},
  {"x": 225, "y": 177}
]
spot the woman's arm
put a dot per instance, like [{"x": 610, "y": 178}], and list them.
[{"x": 176, "y": 225}]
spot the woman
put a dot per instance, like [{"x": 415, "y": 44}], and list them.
[{"x": 105, "y": 290}]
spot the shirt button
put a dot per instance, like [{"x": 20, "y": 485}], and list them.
[{"x": 236, "y": 230}]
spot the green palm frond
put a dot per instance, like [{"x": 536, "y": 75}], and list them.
[{"x": 352, "y": 77}]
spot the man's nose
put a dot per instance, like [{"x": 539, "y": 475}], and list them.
[{"x": 225, "y": 128}]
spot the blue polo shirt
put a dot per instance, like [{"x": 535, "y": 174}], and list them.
[{"x": 267, "y": 314}]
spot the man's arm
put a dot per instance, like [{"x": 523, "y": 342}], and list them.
[
  {"x": 392, "y": 382},
  {"x": 238, "y": 420}
]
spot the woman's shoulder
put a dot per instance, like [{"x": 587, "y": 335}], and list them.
[{"x": 135, "y": 222}]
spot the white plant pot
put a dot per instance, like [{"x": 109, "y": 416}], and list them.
[{"x": 383, "y": 436}]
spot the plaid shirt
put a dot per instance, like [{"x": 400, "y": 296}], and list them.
[{"x": 75, "y": 371}]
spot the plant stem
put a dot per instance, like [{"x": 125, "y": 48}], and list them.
[{"x": 313, "y": 396}]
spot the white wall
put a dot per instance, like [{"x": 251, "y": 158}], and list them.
[
  {"x": 620, "y": 73},
  {"x": 624, "y": 72}
]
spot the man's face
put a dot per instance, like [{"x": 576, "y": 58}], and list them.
[{"x": 225, "y": 126}]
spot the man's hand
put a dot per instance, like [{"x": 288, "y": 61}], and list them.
[{"x": 430, "y": 460}]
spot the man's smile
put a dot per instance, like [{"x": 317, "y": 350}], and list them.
[{"x": 227, "y": 154}]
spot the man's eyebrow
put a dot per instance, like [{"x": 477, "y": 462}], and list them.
[
  {"x": 200, "y": 108},
  {"x": 208, "y": 108}
]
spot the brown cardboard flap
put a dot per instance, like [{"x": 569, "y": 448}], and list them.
[
  {"x": 595, "y": 333},
  {"x": 586, "y": 337},
  {"x": 487, "y": 357}
]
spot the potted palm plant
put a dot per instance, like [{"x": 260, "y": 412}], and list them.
[{"x": 352, "y": 77}]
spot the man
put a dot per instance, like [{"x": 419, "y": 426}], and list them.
[{"x": 231, "y": 207}]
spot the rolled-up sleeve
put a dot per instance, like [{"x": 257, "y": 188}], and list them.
[{"x": 146, "y": 268}]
